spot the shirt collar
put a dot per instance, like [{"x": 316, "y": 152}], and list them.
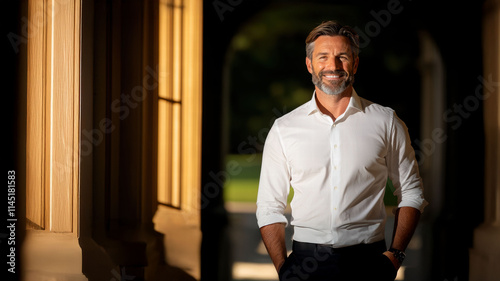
[{"x": 354, "y": 103}]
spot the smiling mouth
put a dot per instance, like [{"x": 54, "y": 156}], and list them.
[{"x": 333, "y": 75}]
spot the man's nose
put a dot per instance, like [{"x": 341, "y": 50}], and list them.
[{"x": 334, "y": 63}]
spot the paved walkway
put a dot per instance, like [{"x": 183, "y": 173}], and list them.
[{"x": 250, "y": 259}]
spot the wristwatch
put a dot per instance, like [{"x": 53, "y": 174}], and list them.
[{"x": 398, "y": 254}]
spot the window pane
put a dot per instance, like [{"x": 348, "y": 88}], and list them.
[
  {"x": 166, "y": 17},
  {"x": 177, "y": 49},
  {"x": 164, "y": 151},
  {"x": 176, "y": 156}
]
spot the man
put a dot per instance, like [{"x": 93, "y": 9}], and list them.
[{"x": 337, "y": 151}]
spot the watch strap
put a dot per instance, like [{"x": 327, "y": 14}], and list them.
[{"x": 398, "y": 254}]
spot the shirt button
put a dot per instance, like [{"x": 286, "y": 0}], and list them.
[
  {"x": 335, "y": 167},
  {"x": 335, "y": 146},
  {"x": 335, "y": 209}
]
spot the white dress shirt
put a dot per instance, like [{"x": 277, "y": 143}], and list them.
[{"x": 338, "y": 170}]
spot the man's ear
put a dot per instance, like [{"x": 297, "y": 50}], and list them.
[{"x": 309, "y": 65}]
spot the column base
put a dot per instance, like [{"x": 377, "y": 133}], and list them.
[
  {"x": 51, "y": 256},
  {"x": 182, "y": 240}
]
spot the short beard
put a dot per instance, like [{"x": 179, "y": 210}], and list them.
[{"x": 332, "y": 90}]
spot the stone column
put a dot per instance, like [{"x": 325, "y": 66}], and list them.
[{"x": 485, "y": 254}]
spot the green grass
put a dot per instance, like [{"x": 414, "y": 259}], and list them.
[
  {"x": 242, "y": 184},
  {"x": 389, "y": 198},
  {"x": 241, "y": 190}
]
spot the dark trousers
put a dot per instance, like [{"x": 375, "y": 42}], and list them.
[{"x": 361, "y": 262}]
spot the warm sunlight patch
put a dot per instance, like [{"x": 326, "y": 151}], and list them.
[{"x": 254, "y": 271}]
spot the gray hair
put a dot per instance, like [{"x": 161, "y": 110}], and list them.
[{"x": 332, "y": 28}]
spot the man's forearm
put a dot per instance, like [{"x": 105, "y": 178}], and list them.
[
  {"x": 405, "y": 223},
  {"x": 273, "y": 236}
]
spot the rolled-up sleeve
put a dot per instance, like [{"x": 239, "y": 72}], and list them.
[
  {"x": 403, "y": 167},
  {"x": 274, "y": 183}
]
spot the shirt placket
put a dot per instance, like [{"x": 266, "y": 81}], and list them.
[{"x": 335, "y": 179}]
